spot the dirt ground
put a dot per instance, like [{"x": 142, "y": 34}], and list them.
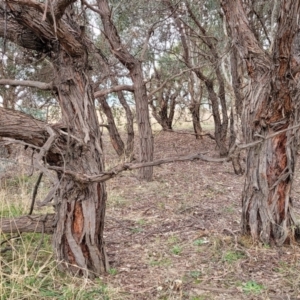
[{"x": 178, "y": 236}]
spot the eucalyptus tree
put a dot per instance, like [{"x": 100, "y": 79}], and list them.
[
  {"x": 199, "y": 28},
  {"x": 111, "y": 82},
  {"x": 270, "y": 115},
  {"x": 133, "y": 64},
  {"x": 72, "y": 148},
  {"x": 166, "y": 87}
]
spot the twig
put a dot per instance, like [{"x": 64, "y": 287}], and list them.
[
  {"x": 8, "y": 248},
  {"x": 42, "y": 238},
  {"x": 49, "y": 196},
  {"x": 42, "y": 153},
  {"x": 36, "y": 186},
  {"x": 249, "y": 145}
]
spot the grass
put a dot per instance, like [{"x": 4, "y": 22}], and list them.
[
  {"x": 200, "y": 242},
  {"x": 252, "y": 287},
  {"x": 233, "y": 256},
  {"x": 176, "y": 250},
  {"x": 28, "y": 269},
  {"x": 156, "y": 233}
]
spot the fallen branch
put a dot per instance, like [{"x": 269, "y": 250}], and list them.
[{"x": 37, "y": 224}]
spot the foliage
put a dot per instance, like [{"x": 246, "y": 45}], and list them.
[{"x": 252, "y": 287}]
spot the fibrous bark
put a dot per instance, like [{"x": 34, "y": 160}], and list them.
[
  {"x": 75, "y": 144},
  {"x": 271, "y": 105},
  {"x": 114, "y": 135}
]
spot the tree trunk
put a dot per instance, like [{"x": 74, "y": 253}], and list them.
[
  {"x": 143, "y": 121},
  {"x": 235, "y": 114},
  {"x": 114, "y": 135},
  {"x": 163, "y": 114},
  {"x": 140, "y": 92},
  {"x": 194, "y": 108},
  {"x": 220, "y": 127},
  {"x": 129, "y": 127},
  {"x": 77, "y": 147},
  {"x": 80, "y": 208},
  {"x": 270, "y": 115}
]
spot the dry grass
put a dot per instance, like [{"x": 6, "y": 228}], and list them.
[{"x": 176, "y": 237}]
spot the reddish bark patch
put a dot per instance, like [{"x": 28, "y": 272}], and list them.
[
  {"x": 281, "y": 201},
  {"x": 78, "y": 221},
  {"x": 275, "y": 170}
]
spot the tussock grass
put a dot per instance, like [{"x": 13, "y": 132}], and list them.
[{"x": 28, "y": 269}]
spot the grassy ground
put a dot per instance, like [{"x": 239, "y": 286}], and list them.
[{"x": 176, "y": 237}]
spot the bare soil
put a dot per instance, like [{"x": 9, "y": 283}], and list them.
[{"x": 178, "y": 236}]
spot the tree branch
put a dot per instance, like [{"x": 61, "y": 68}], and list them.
[
  {"x": 37, "y": 224},
  {"x": 60, "y": 7},
  {"x": 83, "y": 178},
  {"x": 30, "y": 3},
  {"x": 171, "y": 78},
  {"x": 113, "y": 89},
  {"x": 32, "y": 32},
  {"x": 29, "y": 83}
]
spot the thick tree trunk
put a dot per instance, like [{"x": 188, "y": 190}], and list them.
[
  {"x": 271, "y": 112},
  {"x": 80, "y": 208}
]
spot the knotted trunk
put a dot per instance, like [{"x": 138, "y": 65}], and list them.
[
  {"x": 80, "y": 207},
  {"x": 270, "y": 122}
]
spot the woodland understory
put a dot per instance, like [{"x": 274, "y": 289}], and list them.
[
  {"x": 96, "y": 95},
  {"x": 176, "y": 237}
]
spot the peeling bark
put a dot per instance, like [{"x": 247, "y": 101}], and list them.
[
  {"x": 271, "y": 105},
  {"x": 76, "y": 144}
]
